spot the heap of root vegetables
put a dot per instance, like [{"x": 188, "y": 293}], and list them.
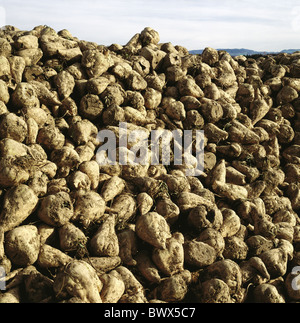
[{"x": 72, "y": 230}]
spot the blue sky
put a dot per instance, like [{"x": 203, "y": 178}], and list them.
[{"x": 257, "y": 24}]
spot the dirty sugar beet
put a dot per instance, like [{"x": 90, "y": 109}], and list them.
[{"x": 73, "y": 230}]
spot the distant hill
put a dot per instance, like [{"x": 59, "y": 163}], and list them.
[
  {"x": 290, "y": 51},
  {"x": 244, "y": 51}
]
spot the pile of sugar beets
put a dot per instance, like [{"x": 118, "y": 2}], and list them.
[{"x": 75, "y": 230}]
